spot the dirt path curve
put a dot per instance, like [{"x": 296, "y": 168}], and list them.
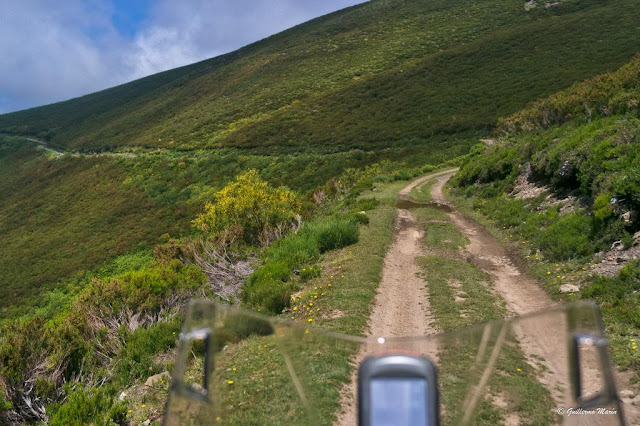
[
  {"x": 41, "y": 144},
  {"x": 401, "y": 306},
  {"x": 523, "y": 295}
]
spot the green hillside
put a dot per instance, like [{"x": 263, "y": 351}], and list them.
[
  {"x": 97, "y": 238},
  {"x": 405, "y": 81},
  {"x": 369, "y": 76}
]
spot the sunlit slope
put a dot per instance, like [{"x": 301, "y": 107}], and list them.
[{"x": 368, "y": 76}]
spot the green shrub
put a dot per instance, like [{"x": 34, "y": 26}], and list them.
[
  {"x": 269, "y": 295},
  {"x": 489, "y": 164},
  {"x": 279, "y": 271},
  {"x": 627, "y": 240},
  {"x": 364, "y": 204},
  {"x": 294, "y": 251},
  {"x": 604, "y": 235},
  {"x": 427, "y": 168},
  {"x": 268, "y": 288},
  {"x": 135, "y": 359},
  {"x": 332, "y": 234},
  {"x": 171, "y": 250},
  {"x": 360, "y": 217},
  {"x": 127, "y": 263},
  {"x": 4, "y": 404},
  {"x": 144, "y": 289},
  {"x": 567, "y": 238},
  {"x": 90, "y": 406},
  {"x": 618, "y": 295}
]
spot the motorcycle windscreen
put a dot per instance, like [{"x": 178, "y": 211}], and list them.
[{"x": 236, "y": 367}]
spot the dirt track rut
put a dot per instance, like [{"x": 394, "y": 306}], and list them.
[
  {"x": 523, "y": 295},
  {"x": 401, "y": 306}
]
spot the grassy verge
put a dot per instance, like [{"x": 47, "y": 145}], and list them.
[
  {"x": 422, "y": 192},
  {"x": 426, "y": 214},
  {"x": 336, "y": 296},
  {"x": 444, "y": 237},
  {"x": 461, "y": 295}
]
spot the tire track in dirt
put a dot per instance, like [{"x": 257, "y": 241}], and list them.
[
  {"x": 523, "y": 295},
  {"x": 401, "y": 306}
]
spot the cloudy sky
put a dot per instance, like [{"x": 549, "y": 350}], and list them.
[{"x": 52, "y": 50}]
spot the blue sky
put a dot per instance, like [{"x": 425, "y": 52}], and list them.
[
  {"x": 53, "y": 50},
  {"x": 128, "y": 15}
]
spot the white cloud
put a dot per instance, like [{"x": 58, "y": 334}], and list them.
[{"x": 52, "y": 50}]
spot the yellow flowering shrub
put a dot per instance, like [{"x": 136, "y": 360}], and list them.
[{"x": 251, "y": 208}]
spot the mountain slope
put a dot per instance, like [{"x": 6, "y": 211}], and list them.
[
  {"x": 410, "y": 82},
  {"x": 378, "y": 72},
  {"x": 405, "y": 81}
]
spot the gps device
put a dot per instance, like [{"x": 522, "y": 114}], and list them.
[{"x": 397, "y": 390}]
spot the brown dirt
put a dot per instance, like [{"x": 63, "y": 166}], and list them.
[
  {"x": 401, "y": 306},
  {"x": 522, "y": 294}
]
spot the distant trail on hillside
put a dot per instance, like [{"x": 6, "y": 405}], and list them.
[{"x": 41, "y": 144}]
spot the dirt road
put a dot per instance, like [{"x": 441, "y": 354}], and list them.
[{"x": 402, "y": 308}]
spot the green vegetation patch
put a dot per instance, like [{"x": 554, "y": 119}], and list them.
[
  {"x": 109, "y": 333},
  {"x": 444, "y": 236},
  {"x": 460, "y": 296},
  {"x": 580, "y": 146},
  {"x": 255, "y": 387},
  {"x": 452, "y": 279},
  {"x": 351, "y": 79},
  {"x": 61, "y": 217},
  {"x": 619, "y": 299},
  {"x": 422, "y": 192},
  {"x": 341, "y": 299},
  {"x": 429, "y": 214},
  {"x": 269, "y": 288},
  {"x": 592, "y": 167}
]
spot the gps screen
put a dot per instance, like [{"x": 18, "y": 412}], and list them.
[{"x": 398, "y": 401}]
